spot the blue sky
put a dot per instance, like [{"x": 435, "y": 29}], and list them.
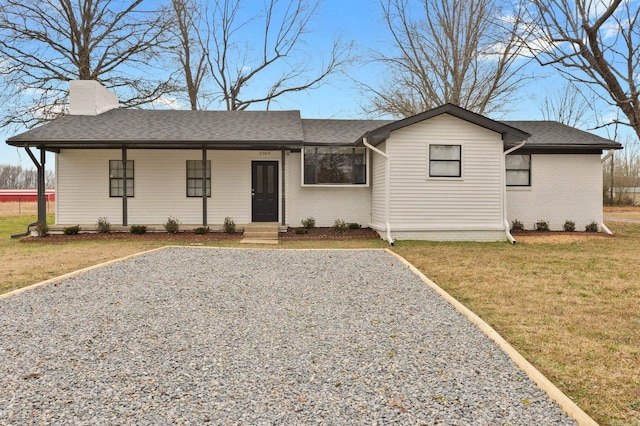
[{"x": 360, "y": 21}]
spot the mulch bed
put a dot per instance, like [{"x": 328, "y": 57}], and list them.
[
  {"x": 329, "y": 234},
  {"x": 556, "y": 236},
  {"x": 312, "y": 234}
]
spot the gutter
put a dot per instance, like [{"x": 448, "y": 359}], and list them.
[
  {"x": 387, "y": 174},
  {"x": 507, "y": 229}
]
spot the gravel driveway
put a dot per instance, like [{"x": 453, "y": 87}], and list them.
[{"x": 222, "y": 336}]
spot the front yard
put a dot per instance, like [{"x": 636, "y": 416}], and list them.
[{"x": 571, "y": 308}]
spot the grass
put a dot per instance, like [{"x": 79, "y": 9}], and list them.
[
  {"x": 570, "y": 307},
  {"x": 624, "y": 212}
]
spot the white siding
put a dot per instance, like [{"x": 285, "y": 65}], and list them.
[
  {"x": 563, "y": 187},
  {"x": 82, "y": 191},
  {"x": 324, "y": 204},
  {"x": 160, "y": 186},
  {"x": 472, "y": 202}
]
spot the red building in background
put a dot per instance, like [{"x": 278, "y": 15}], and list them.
[{"x": 25, "y": 195}]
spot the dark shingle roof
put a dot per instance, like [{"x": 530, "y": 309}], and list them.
[
  {"x": 171, "y": 125},
  {"x": 509, "y": 133},
  {"x": 551, "y": 134},
  {"x": 337, "y": 131},
  {"x": 275, "y": 129}
]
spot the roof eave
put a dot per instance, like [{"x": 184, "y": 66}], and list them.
[
  {"x": 150, "y": 144},
  {"x": 509, "y": 133}
]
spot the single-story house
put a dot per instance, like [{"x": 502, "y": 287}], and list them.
[{"x": 444, "y": 174}]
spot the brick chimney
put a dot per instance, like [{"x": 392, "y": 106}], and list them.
[{"x": 88, "y": 97}]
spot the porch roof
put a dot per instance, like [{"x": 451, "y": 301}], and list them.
[{"x": 168, "y": 129}]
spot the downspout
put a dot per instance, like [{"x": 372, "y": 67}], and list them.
[
  {"x": 605, "y": 158},
  {"x": 125, "y": 207},
  {"x": 42, "y": 207},
  {"x": 507, "y": 229},
  {"x": 204, "y": 186},
  {"x": 386, "y": 185},
  {"x": 284, "y": 188}
]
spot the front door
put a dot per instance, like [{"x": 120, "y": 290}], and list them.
[{"x": 264, "y": 191}]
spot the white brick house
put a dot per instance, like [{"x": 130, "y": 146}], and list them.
[{"x": 445, "y": 174}]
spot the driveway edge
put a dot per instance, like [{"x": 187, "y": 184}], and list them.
[
  {"x": 76, "y": 272},
  {"x": 570, "y": 407}
]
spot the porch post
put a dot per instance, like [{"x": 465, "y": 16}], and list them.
[
  {"x": 124, "y": 186},
  {"x": 284, "y": 198},
  {"x": 42, "y": 207},
  {"x": 204, "y": 186},
  {"x": 42, "y": 202}
]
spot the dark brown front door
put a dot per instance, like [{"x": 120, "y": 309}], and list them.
[{"x": 264, "y": 191}]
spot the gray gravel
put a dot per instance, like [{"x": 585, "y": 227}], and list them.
[{"x": 193, "y": 336}]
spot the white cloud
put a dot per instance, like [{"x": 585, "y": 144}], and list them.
[{"x": 167, "y": 102}]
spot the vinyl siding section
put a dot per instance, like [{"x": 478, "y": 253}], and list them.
[
  {"x": 563, "y": 187},
  {"x": 324, "y": 204},
  {"x": 82, "y": 187},
  {"x": 472, "y": 202},
  {"x": 160, "y": 186}
]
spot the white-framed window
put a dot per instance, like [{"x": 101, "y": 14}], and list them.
[
  {"x": 518, "y": 169},
  {"x": 194, "y": 178},
  {"x": 116, "y": 178},
  {"x": 445, "y": 161},
  {"x": 334, "y": 166}
]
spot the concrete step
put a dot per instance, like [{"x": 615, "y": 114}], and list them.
[
  {"x": 261, "y": 234},
  {"x": 260, "y": 231},
  {"x": 258, "y": 241}
]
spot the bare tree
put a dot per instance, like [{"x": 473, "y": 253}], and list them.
[
  {"x": 44, "y": 44},
  {"x": 191, "y": 49},
  {"x": 593, "y": 43},
  {"x": 622, "y": 176},
  {"x": 568, "y": 106},
  {"x": 15, "y": 177},
  {"x": 464, "y": 52},
  {"x": 248, "y": 71}
]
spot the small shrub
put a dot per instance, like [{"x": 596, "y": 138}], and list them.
[
  {"x": 542, "y": 226},
  {"x": 569, "y": 226},
  {"x": 42, "y": 229},
  {"x": 301, "y": 231},
  {"x": 354, "y": 226},
  {"x": 172, "y": 225},
  {"x": 103, "y": 226},
  {"x": 229, "y": 225},
  {"x": 309, "y": 223},
  {"x": 339, "y": 225},
  {"x": 71, "y": 230},
  {"x": 138, "y": 229},
  {"x": 202, "y": 230},
  {"x": 592, "y": 227},
  {"x": 516, "y": 225}
]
